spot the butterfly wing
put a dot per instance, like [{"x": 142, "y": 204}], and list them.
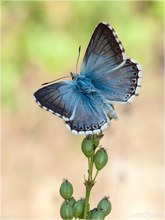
[
  {"x": 122, "y": 84},
  {"x": 104, "y": 51},
  {"x": 105, "y": 63},
  {"x": 58, "y": 98},
  {"x": 90, "y": 116},
  {"x": 83, "y": 113}
]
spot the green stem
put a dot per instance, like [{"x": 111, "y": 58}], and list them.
[
  {"x": 89, "y": 185},
  {"x": 95, "y": 175},
  {"x": 86, "y": 206},
  {"x": 90, "y": 168}
]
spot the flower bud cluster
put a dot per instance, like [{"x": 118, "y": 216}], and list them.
[
  {"x": 89, "y": 146},
  {"x": 70, "y": 207},
  {"x": 80, "y": 209},
  {"x": 102, "y": 210}
]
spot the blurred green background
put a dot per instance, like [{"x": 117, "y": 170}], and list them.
[{"x": 40, "y": 41}]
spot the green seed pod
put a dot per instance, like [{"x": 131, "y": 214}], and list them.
[
  {"x": 105, "y": 205},
  {"x": 90, "y": 214},
  {"x": 100, "y": 158},
  {"x": 66, "y": 190},
  {"x": 72, "y": 201},
  {"x": 66, "y": 211},
  {"x": 78, "y": 209},
  {"x": 97, "y": 214},
  {"x": 87, "y": 147}
]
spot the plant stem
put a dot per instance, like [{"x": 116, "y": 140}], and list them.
[
  {"x": 95, "y": 175},
  {"x": 89, "y": 184},
  {"x": 86, "y": 206}
]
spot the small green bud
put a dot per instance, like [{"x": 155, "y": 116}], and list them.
[
  {"x": 105, "y": 205},
  {"x": 66, "y": 211},
  {"x": 87, "y": 147},
  {"x": 66, "y": 190},
  {"x": 97, "y": 214},
  {"x": 100, "y": 158},
  {"x": 90, "y": 214},
  {"x": 72, "y": 201},
  {"x": 78, "y": 209}
]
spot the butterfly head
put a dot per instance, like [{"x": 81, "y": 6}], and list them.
[{"x": 74, "y": 76}]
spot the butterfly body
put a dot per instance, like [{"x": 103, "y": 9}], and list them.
[
  {"x": 106, "y": 76},
  {"x": 83, "y": 84}
]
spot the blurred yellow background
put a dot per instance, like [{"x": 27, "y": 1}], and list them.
[{"x": 40, "y": 41}]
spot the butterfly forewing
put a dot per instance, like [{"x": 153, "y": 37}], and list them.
[
  {"x": 58, "y": 98},
  {"x": 104, "y": 49}
]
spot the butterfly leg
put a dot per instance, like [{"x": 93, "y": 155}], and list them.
[{"x": 111, "y": 112}]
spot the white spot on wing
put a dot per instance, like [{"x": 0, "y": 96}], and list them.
[
  {"x": 137, "y": 90},
  {"x": 57, "y": 114},
  {"x": 131, "y": 98},
  {"x": 140, "y": 73},
  {"x": 39, "y": 103},
  {"x": 81, "y": 132},
  {"x": 65, "y": 118},
  {"x": 105, "y": 23},
  {"x": 74, "y": 131},
  {"x": 51, "y": 111},
  {"x": 133, "y": 61},
  {"x": 115, "y": 35},
  {"x": 96, "y": 131},
  {"x": 117, "y": 40},
  {"x": 104, "y": 126},
  {"x": 124, "y": 56},
  {"x": 88, "y": 132},
  {"x": 34, "y": 98},
  {"x": 121, "y": 47},
  {"x": 139, "y": 67},
  {"x": 139, "y": 81},
  {"x": 44, "y": 108},
  {"x": 68, "y": 127}
]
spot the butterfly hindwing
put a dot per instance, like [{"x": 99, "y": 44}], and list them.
[
  {"x": 90, "y": 115},
  {"x": 120, "y": 85}
]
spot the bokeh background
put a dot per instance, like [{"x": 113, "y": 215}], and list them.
[{"x": 40, "y": 41}]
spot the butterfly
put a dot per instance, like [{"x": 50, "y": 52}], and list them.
[{"x": 106, "y": 76}]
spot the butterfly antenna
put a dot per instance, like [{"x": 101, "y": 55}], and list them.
[
  {"x": 54, "y": 80},
  {"x": 79, "y": 50}
]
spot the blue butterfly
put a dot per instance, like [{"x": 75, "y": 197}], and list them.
[{"x": 106, "y": 76}]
